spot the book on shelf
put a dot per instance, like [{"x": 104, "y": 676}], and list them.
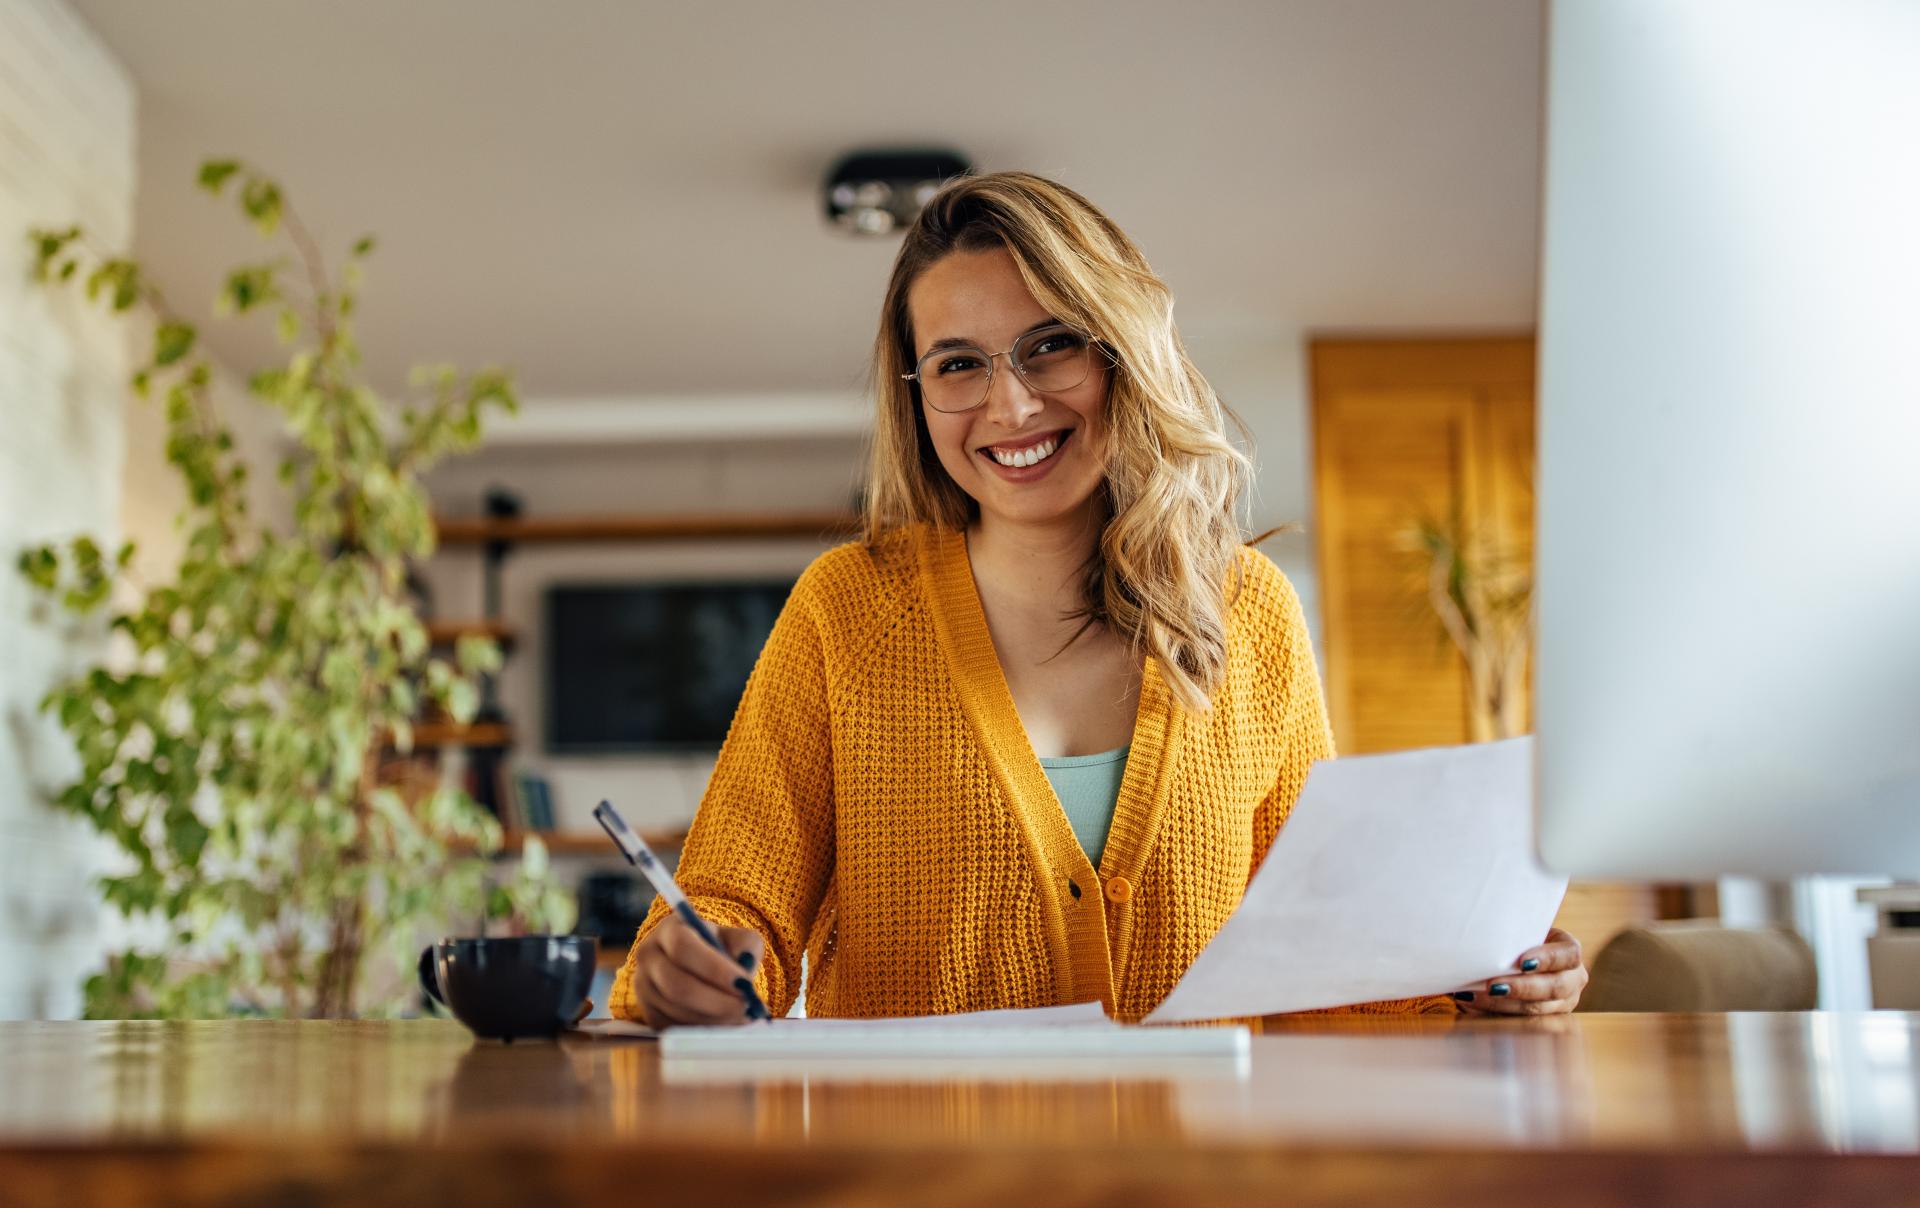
[{"x": 532, "y": 802}]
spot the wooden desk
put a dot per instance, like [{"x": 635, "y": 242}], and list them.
[{"x": 1747, "y": 1109}]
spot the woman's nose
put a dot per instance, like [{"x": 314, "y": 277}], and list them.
[{"x": 1010, "y": 402}]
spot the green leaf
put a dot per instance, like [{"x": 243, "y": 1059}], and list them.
[
  {"x": 463, "y": 700},
  {"x": 260, "y": 198},
  {"x": 41, "y": 567},
  {"x": 186, "y": 836},
  {"x": 533, "y": 857},
  {"x": 477, "y": 654},
  {"x": 215, "y": 172},
  {"x": 249, "y": 287},
  {"x": 47, "y": 245},
  {"x": 171, "y": 341},
  {"x": 363, "y": 245}
]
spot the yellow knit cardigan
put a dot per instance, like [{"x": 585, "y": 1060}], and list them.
[{"x": 877, "y": 805}]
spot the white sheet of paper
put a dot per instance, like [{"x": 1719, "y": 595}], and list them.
[
  {"x": 1396, "y": 875},
  {"x": 995, "y": 1044},
  {"x": 1074, "y": 1015}
]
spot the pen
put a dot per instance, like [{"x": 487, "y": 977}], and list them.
[{"x": 638, "y": 854}]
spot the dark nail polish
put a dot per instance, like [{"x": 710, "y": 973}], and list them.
[
  {"x": 746, "y": 961},
  {"x": 1463, "y": 996},
  {"x": 1499, "y": 989},
  {"x": 1530, "y": 964},
  {"x": 1074, "y": 890},
  {"x": 743, "y": 985}
]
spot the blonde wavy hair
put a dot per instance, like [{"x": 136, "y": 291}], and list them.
[{"x": 1166, "y": 565}]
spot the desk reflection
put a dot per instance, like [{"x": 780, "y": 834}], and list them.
[
  {"x": 1806, "y": 1083},
  {"x": 1826, "y": 1081},
  {"x": 1529, "y": 1087}
]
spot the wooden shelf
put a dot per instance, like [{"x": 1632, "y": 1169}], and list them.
[
  {"x": 591, "y": 843},
  {"x": 447, "y": 633},
  {"x": 447, "y": 734},
  {"x": 475, "y": 530}
]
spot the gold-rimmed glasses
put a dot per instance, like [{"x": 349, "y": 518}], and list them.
[{"x": 956, "y": 376}]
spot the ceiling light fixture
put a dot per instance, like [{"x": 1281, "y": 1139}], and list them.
[{"x": 880, "y": 192}]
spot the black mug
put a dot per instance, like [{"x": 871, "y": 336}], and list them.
[{"x": 514, "y": 986}]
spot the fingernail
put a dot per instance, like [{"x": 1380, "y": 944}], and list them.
[
  {"x": 746, "y": 961},
  {"x": 1499, "y": 989},
  {"x": 743, "y": 985},
  {"x": 1530, "y": 964},
  {"x": 1463, "y": 996}
]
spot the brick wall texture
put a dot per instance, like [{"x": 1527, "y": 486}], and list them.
[{"x": 67, "y": 131}]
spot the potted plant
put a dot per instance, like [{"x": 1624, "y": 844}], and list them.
[
  {"x": 235, "y": 742},
  {"x": 1482, "y": 594}
]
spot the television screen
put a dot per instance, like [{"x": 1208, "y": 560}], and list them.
[{"x": 653, "y": 667}]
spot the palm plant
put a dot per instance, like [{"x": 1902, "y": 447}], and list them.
[{"x": 1482, "y": 594}]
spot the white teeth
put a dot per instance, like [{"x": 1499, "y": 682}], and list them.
[{"x": 1028, "y": 456}]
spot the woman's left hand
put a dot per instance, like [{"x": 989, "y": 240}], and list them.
[{"x": 1548, "y": 982}]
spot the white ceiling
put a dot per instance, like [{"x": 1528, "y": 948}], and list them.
[{"x": 621, "y": 198}]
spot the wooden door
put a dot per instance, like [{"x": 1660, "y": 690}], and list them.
[{"x": 1405, "y": 429}]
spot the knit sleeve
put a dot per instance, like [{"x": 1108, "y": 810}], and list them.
[
  {"x": 1306, "y": 734},
  {"x": 760, "y": 851}
]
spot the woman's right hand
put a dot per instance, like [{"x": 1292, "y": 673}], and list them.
[{"x": 678, "y": 979}]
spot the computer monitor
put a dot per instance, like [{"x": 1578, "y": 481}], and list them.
[{"x": 1728, "y": 659}]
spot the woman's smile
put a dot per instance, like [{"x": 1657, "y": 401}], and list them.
[{"x": 1027, "y": 458}]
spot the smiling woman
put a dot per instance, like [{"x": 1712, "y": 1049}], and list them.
[{"x": 1025, "y": 743}]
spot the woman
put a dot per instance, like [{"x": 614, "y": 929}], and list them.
[{"x": 1026, "y": 743}]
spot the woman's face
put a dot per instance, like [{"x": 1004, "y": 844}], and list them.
[{"x": 979, "y": 298}]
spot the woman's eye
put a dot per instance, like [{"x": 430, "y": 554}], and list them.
[
  {"x": 1057, "y": 341},
  {"x": 958, "y": 363}
]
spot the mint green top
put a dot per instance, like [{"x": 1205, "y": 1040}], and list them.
[{"x": 1088, "y": 787}]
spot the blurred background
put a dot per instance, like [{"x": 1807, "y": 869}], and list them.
[{"x": 627, "y": 206}]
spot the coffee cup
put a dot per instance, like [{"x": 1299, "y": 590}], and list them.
[{"x": 512, "y": 986}]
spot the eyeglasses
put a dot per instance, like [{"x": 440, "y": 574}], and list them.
[{"x": 1049, "y": 360}]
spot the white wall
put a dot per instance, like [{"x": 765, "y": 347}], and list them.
[
  {"x": 1264, "y": 379},
  {"x": 67, "y": 113},
  {"x": 78, "y": 454},
  {"x": 1261, "y": 379}
]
